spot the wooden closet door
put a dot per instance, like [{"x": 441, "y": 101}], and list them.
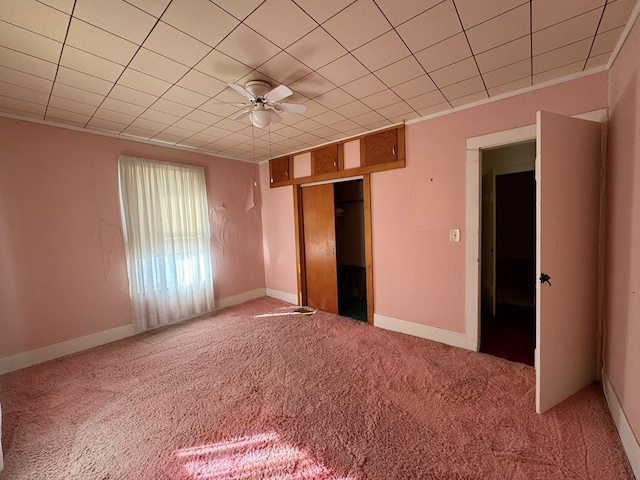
[{"x": 320, "y": 247}]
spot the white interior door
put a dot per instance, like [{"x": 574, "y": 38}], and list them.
[
  {"x": 568, "y": 196},
  {"x": 488, "y": 268}
]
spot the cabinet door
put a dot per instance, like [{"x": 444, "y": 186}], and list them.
[
  {"x": 379, "y": 148},
  {"x": 324, "y": 160},
  {"x": 280, "y": 170}
]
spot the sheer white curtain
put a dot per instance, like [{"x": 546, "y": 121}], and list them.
[{"x": 167, "y": 240}]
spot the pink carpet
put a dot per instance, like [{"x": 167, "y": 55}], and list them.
[{"x": 255, "y": 392}]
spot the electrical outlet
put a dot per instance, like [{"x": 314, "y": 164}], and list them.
[{"x": 454, "y": 235}]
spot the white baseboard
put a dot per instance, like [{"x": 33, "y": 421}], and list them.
[
  {"x": 448, "y": 337},
  {"x": 628, "y": 438},
  {"x": 50, "y": 352},
  {"x": 284, "y": 296}
]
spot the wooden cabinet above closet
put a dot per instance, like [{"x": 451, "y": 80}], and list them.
[{"x": 374, "y": 152}]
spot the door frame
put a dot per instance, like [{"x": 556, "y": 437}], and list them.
[
  {"x": 368, "y": 236},
  {"x": 474, "y": 147}
]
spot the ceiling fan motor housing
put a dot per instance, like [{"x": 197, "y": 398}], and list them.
[{"x": 258, "y": 88}]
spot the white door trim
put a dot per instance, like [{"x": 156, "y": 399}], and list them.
[{"x": 474, "y": 145}]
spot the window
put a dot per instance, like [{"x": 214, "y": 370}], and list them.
[{"x": 167, "y": 240}]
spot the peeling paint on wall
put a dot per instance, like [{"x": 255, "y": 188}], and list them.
[{"x": 218, "y": 222}]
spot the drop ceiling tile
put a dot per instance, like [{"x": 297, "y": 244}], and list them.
[
  {"x": 326, "y": 133},
  {"x": 395, "y": 110},
  {"x": 167, "y": 106},
  {"x": 426, "y": 100},
  {"x": 271, "y": 12},
  {"x": 344, "y": 126},
  {"x": 122, "y": 107},
  {"x": 616, "y": 14},
  {"x": 404, "y": 117},
  {"x": 90, "y": 64},
  {"x": 431, "y": 27},
  {"x": 309, "y": 125},
  {"x": 215, "y": 131},
  {"x": 559, "y": 72},
  {"x": 203, "y": 137},
  {"x": 473, "y": 12},
  {"x": 201, "y": 116},
  {"x": 504, "y": 55},
  {"x": 399, "y": 12},
  {"x": 194, "y": 17},
  {"x": 382, "y": 51},
  {"x": 316, "y": 49},
  {"x": 157, "y": 66},
  {"x": 510, "y": 87},
  {"x": 77, "y": 119},
  {"x": 312, "y": 85},
  {"x": 136, "y": 97},
  {"x": 25, "y": 80},
  {"x": 143, "y": 83},
  {"x": 223, "y": 67},
  {"x": 192, "y": 143},
  {"x": 561, "y": 56},
  {"x": 21, "y": 40},
  {"x": 35, "y": 17},
  {"x": 159, "y": 117},
  {"x": 80, "y": 80},
  {"x": 353, "y": 109},
  {"x": 172, "y": 43},
  {"x": 444, "y": 53},
  {"x": 178, "y": 131},
  {"x": 400, "y": 72},
  {"x": 284, "y": 68},
  {"x": 185, "y": 97},
  {"x": 381, "y": 99},
  {"x": 349, "y": 29},
  {"x": 549, "y": 12},
  {"x": 167, "y": 138},
  {"x": 415, "y": 87},
  {"x": 105, "y": 125},
  {"x": 606, "y": 42},
  {"x": 322, "y": 11},
  {"x": 27, "y": 64},
  {"x": 65, "y": 6},
  {"x": 455, "y": 73},
  {"x": 329, "y": 118},
  {"x": 149, "y": 125},
  {"x": 500, "y": 30},
  {"x": 343, "y": 70},
  {"x": 219, "y": 109},
  {"x": 139, "y": 132},
  {"x": 22, "y": 107},
  {"x": 371, "y": 120},
  {"x": 71, "y": 106},
  {"x": 72, "y": 93},
  {"x": 190, "y": 125},
  {"x": 598, "y": 60},
  {"x": 99, "y": 42},
  {"x": 116, "y": 16},
  {"x": 334, "y": 98},
  {"x": 510, "y": 73},
  {"x": 201, "y": 83},
  {"x": 464, "y": 88},
  {"x": 313, "y": 109},
  {"x": 248, "y": 47},
  {"x": 572, "y": 30},
  {"x": 153, "y": 7},
  {"x": 112, "y": 116},
  {"x": 365, "y": 86},
  {"x": 466, "y": 100}
]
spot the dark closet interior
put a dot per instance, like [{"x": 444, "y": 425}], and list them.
[
  {"x": 511, "y": 332},
  {"x": 350, "y": 249}
]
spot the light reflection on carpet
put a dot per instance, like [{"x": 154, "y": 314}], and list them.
[{"x": 263, "y": 456}]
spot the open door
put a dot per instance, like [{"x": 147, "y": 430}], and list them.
[
  {"x": 489, "y": 241},
  {"x": 319, "y": 233},
  {"x": 568, "y": 195}
]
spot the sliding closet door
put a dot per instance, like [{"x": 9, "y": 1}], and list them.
[{"x": 319, "y": 233}]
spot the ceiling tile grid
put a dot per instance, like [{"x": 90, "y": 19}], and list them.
[{"x": 158, "y": 70}]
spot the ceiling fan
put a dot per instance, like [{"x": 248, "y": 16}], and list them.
[{"x": 265, "y": 102}]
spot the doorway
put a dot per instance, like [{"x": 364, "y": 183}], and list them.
[{"x": 508, "y": 318}]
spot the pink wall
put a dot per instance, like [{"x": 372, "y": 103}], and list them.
[
  {"x": 419, "y": 275},
  {"x": 622, "y": 262},
  {"x": 279, "y": 236},
  {"x": 63, "y": 272}
]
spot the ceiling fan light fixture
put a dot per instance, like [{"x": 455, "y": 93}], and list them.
[{"x": 260, "y": 116}]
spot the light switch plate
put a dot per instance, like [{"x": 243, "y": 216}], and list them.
[{"x": 454, "y": 235}]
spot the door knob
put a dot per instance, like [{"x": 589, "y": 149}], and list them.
[{"x": 544, "y": 278}]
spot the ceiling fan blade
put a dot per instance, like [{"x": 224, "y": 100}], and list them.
[
  {"x": 290, "y": 107},
  {"x": 242, "y": 114},
  {"x": 278, "y": 93},
  {"x": 242, "y": 91},
  {"x": 275, "y": 118}
]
